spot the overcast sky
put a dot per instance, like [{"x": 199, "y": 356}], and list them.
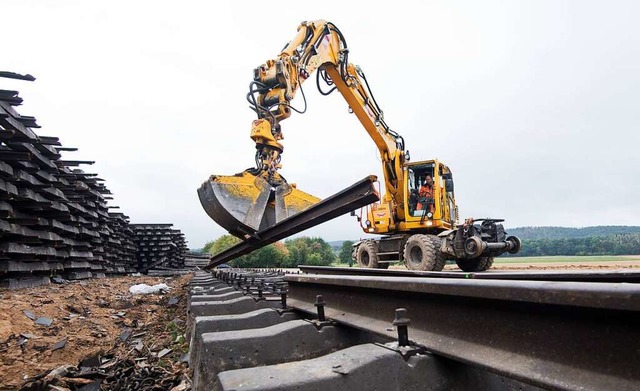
[{"x": 532, "y": 104}]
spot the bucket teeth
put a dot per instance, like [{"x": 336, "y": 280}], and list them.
[{"x": 245, "y": 204}]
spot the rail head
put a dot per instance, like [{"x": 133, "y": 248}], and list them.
[
  {"x": 611, "y": 296},
  {"x": 558, "y": 335},
  {"x": 619, "y": 275}
]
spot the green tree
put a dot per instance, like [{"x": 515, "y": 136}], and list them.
[
  {"x": 207, "y": 247},
  {"x": 309, "y": 251},
  {"x": 268, "y": 256},
  {"x": 222, "y": 243},
  {"x": 273, "y": 255},
  {"x": 344, "y": 256},
  {"x": 619, "y": 244}
]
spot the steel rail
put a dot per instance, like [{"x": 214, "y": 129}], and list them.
[
  {"x": 630, "y": 276},
  {"x": 355, "y": 196},
  {"x": 559, "y": 335}
]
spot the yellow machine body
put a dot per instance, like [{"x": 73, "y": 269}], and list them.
[
  {"x": 379, "y": 218},
  {"x": 259, "y": 198}
]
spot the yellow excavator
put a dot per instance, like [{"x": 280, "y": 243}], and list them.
[{"x": 416, "y": 219}]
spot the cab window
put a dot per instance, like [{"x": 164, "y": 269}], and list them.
[{"x": 420, "y": 199}]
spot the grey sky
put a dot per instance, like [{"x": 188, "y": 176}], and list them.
[{"x": 532, "y": 104}]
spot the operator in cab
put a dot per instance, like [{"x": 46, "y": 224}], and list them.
[{"x": 426, "y": 192}]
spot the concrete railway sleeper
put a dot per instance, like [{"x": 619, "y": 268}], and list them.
[{"x": 262, "y": 330}]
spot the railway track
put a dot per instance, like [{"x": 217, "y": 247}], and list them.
[
  {"x": 629, "y": 276},
  {"x": 263, "y": 330}
]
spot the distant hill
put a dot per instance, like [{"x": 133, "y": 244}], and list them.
[
  {"x": 530, "y": 233},
  {"x": 336, "y": 245}
]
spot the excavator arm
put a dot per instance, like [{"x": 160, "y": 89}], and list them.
[
  {"x": 260, "y": 197},
  {"x": 318, "y": 46}
]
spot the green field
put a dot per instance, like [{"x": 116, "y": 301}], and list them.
[
  {"x": 548, "y": 259},
  {"x": 568, "y": 259}
]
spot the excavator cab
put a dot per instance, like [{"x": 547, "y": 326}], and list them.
[
  {"x": 421, "y": 201},
  {"x": 429, "y": 197}
]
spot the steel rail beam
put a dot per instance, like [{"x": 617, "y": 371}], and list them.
[
  {"x": 559, "y": 335},
  {"x": 630, "y": 276},
  {"x": 355, "y": 196}
]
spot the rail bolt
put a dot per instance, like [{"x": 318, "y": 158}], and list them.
[
  {"x": 320, "y": 305},
  {"x": 283, "y": 296},
  {"x": 401, "y": 322}
]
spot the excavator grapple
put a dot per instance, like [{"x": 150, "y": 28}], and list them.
[{"x": 244, "y": 203}]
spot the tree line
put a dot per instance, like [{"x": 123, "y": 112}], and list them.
[
  {"x": 287, "y": 254},
  {"x": 622, "y": 244},
  {"x": 537, "y": 241},
  {"x": 571, "y": 233}
]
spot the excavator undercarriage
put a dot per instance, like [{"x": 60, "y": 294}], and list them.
[{"x": 471, "y": 246}]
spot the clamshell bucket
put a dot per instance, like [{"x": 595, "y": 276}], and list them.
[{"x": 245, "y": 204}]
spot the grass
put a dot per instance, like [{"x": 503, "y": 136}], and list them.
[
  {"x": 547, "y": 259},
  {"x": 569, "y": 259}
]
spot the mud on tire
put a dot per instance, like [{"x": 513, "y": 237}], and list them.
[
  {"x": 441, "y": 259},
  {"x": 475, "y": 265},
  {"x": 422, "y": 252},
  {"x": 367, "y": 254}
]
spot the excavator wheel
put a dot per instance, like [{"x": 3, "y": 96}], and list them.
[
  {"x": 441, "y": 259},
  {"x": 367, "y": 255},
  {"x": 475, "y": 265},
  {"x": 422, "y": 252}
]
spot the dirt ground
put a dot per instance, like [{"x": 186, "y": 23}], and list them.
[
  {"x": 561, "y": 265},
  {"x": 97, "y": 317},
  {"x": 609, "y": 265},
  {"x": 101, "y": 318}
]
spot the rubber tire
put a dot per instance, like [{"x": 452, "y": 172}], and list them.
[
  {"x": 441, "y": 259},
  {"x": 421, "y": 252},
  {"x": 367, "y": 255},
  {"x": 475, "y": 265}
]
